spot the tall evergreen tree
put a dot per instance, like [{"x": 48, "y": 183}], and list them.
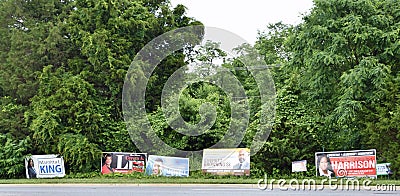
[{"x": 347, "y": 54}]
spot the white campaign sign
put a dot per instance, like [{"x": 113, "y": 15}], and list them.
[{"x": 46, "y": 166}]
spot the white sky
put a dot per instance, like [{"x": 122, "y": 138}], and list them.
[{"x": 245, "y": 17}]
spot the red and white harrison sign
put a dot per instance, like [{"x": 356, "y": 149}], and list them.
[{"x": 357, "y": 163}]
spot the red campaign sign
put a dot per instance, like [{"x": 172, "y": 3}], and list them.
[
  {"x": 354, "y": 166},
  {"x": 122, "y": 162}
]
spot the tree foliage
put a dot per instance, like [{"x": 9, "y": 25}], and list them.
[
  {"x": 342, "y": 73},
  {"x": 63, "y": 65},
  {"x": 13, "y": 153}
]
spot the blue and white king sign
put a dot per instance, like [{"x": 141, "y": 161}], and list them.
[
  {"x": 47, "y": 166},
  {"x": 51, "y": 167}
]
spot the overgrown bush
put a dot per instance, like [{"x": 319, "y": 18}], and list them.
[{"x": 12, "y": 153}]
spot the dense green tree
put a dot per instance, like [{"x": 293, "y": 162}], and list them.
[
  {"x": 293, "y": 135},
  {"x": 32, "y": 38},
  {"x": 347, "y": 54},
  {"x": 63, "y": 64}
]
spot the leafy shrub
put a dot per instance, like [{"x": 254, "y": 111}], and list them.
[{"x": 13, "y": 153}]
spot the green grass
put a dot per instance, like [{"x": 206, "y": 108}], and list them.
[
  {"x": 94, "y": 178},
  {"x": 136, "y": 178},
  {"x": 123, "y": 181},
  {"x": 161, "y": 180}
]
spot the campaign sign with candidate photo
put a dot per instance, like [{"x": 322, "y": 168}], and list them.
[
  {"x": 167, "y": 166},
  {"x": 123, "y": 162},
  {"x": 227, "y": 161},
  {"x": 356, "y": 163},
  {"x": 44, "y": 166}
]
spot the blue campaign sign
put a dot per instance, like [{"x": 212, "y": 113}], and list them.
[
  {"x": 383, "y": 169},
  {"x": 167, "y": 166},
  {"x": 50, "y": 166}
]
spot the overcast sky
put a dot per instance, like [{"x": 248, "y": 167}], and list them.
[{"x": 245, "y": 17}]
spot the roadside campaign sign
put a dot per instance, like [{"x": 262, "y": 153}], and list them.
[
  {"x": 123, "y": 162},
  {"x": 383, "y": 169},
  {"x": 167, "y": 166},
  {"x": 356, "y": 163},
  {"x": 227, "y": 161},
  {"x": 44, "y": 166},
  {"x": 299, "y": 166}
]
